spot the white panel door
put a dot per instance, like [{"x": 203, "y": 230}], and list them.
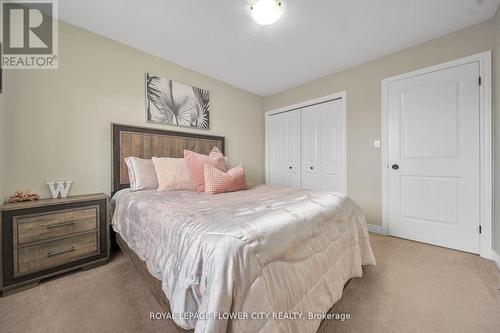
[
  {"x": 323, "y": 135},
  {"x": 433, "y": 151},
  {"x": 284, "y": 149}
]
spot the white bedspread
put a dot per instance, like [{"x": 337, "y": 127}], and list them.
[{"x": 260, "y": 253}]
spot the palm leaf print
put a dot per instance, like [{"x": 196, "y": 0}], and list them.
[{"x": 174, "y": 103}]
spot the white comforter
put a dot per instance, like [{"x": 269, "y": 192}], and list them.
[{"x": 262, "y": 253}]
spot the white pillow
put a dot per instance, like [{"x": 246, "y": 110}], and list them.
[
  {"x": 172, "y": 174},
  {"x": 141, "y": 173}
]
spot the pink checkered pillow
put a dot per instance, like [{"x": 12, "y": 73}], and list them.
[
  {"x": 195, "y": 163},
  {"x": 217, "y": 181}
]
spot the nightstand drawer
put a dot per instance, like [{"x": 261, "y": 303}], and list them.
[
  {"x": 43, "y": 238},
  {"x": 55, "y": 224},
  {"x": 50, "y": 254}
]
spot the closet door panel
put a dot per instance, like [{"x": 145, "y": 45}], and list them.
[
  {"x": 284, "y": 149},
  {"x": 276, "y": 175},
  {"x": 328, "y": 150},
  {"x": 292, "y": 145},
  {"x": 332, "y": 146},
  {"x": 307, "y": 147},
  {"x": 323, "y": 146},
  {"x": 311, "y": 123}
]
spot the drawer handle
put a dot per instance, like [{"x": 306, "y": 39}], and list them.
[
  {"x": 51, "y": 254},
  {"x": 57, "y": 225}
]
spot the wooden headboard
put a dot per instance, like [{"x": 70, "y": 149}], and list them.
[{"x": 148, "y": 142}]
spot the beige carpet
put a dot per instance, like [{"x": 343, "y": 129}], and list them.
[{"x": 414, "y": 288}]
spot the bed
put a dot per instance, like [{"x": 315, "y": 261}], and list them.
[{"x": 260, "y": 260}]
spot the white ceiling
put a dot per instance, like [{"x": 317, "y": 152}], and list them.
[{"x": 313, "y": 38}]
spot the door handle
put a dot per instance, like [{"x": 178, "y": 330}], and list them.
[
  {"x": 51, "y": 254},
  {"x": 57, "y": 225},
  {"x": 395, "y": 166}
]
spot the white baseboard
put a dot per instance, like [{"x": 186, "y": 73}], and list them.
[{"x": 377, "y": 229}]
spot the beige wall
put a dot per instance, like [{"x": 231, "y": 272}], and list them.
[
  {"x": 59, "y": 121},
  {"x": 363, "y": 103},
  {"x": 3, "y": 137},
  {"x": 496, "y": 119}
]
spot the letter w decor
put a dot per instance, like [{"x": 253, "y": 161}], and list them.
[{"x": 62, "y": 188}]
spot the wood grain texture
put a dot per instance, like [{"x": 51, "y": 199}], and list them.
[
  {"x": 50, "y": 254},
  {"x": 148, "y": 142},
  {"x": 45, "y": 238},
  {"x": 51, "y": 202},
  {"x": 49, "y": 225}
]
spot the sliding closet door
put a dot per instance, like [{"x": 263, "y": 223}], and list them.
[
  {"x": 284, "y": 149},
  {"x": 323, "y": 135}
]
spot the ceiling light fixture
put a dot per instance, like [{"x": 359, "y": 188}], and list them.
[{"x": 266, "y": 12}]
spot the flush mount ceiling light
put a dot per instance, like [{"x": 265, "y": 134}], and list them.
[{"x": 266, "y": 12}]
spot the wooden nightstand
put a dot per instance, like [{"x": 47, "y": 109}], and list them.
[{"x": 47, "y": 237}]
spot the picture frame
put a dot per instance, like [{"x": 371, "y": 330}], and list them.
[{"x": 173, "y": 103}]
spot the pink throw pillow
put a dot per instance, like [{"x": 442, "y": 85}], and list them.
[
  {"x": 172, "y": 174},
  {"x": 195, "y": 163},
  {"x": 217, "y": 181}
]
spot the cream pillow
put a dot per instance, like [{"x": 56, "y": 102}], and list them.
[
  {"x": 141, "y": 174},
  {"x": 172, "y": 174}
]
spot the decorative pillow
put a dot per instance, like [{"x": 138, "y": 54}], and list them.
[
  {"x": 217, "y": 181},
  {"x": 141, "y": 174},
  {"x": 195, "y": 163},
  {"x": 226, "y": 161},
  {"x": 172, "y": 174},
  {"x": 222, "y": 160}
]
